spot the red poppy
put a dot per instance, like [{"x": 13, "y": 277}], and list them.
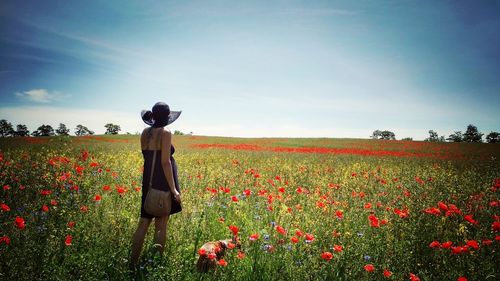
[
  {"x": 222, "y": 262},
  {"x": 338, "y": 248},
  {"x": 309, "y": 237},
  {"x": 254, "y": 236},
  {"x": 79, "y": 169},
  {"x": 281, "y": 189},
  {"x": 202, "y": 252},
  {"x": 374, "y": 222},
  {"x": 234, "y": 198},
  {"x": 462, "y": 278},
  {"x": 495, "y": 226},
  {"x": 369, "y": 267},
  {"x": 247, "y": 192},
  {"x": 45, "y": 208},
  {"x": 212, "y": 256},
  {"x": 5, "y": 239},
  {"x": 281, "y": 230},
  {"x": 473, "y": 244},
  {"x": 84, "y": 208},
  {"x": 71, "y": 224},
  {"x": 435, "y": 244},
  {"x": 326, "y": 256},
  {"x": 487, "y": 242},
  {"x": 68, "y": 240},
  {"x": 234, "y": 229},
  {"x": 231, "y": 245},
  {"x": 20, "y": 223},
  {"x": 97, "y": 197},
  {"x": 106, "y": 187},
  {"x": 470, "y": 219},
  {"x": 387, "y": 273},
  {"x": 442, "y": 206},
  {"x": 53, "y": 202},
  {"x": 368, "y": 206},
  {"x": 339, "y": 214},
  {"x": 5, "y": 207},
  {"x": 294, "y": 239},
  {"x": 240, "y": 255},
  {"x": 446, "y": 244},
  {"x": 45, "y": 192},
  {"x": 433, "y": 211},
  {"x": 299, "y": 233},
  {"x": 458, "y": 250},
  {"x": 414, "y": 277}
]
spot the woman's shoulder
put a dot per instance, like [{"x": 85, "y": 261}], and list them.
[{"x": 166, "y": 131}]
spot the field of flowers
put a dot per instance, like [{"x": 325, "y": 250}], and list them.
[{"x": 304, "y": 209}]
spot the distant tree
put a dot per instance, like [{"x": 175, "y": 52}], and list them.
[
  {"x": 112, "y": 129},
  {"x": 493, "y": 137},
  {"x": 6, "y": 128},
  {"x": 456, "y": 137},
  {"x": 43, "y": 131},
  {"x": 472, "y": 134},
  {"x": 62, "y": 130},
  {"x": 376, "y": 134},
  {"x": 387, "y": 135},
  {"x": 407, "y": 139},
  {"x": 81, "y": 130},
  {"x": 177, "y": 132},
  {"x": 442, "y": 139},
  {"x": 433, "y": 136},
  {"x": 22, "y": 131}
]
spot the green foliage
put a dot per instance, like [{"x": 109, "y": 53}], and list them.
[
  {"x": 178, "y": 133},
  {"x": 493, "y": 137},
  {"x": 383, "y": 135},
  {"x": 433, "y": 136},
  {"x": 472, "y": 134},
  {"x": 456, "y": 137},
  {"x": 83, "y": 131},
  {"x": 21, "y": 131},
  {"x": 62, "y": 130},
  {"x": 6, "y": 129},
  {"x": 43, "y": 131},
  {"x": 112, "y": 129}
]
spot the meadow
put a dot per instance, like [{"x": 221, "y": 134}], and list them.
[{"x": 304, "y": 209}]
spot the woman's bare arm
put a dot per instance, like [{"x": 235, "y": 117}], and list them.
[{"x": 166, "y": 143}]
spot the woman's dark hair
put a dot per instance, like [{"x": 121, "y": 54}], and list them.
[{"x": 160, "y": 112}]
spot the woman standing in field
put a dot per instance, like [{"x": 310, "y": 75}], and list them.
[{"x": 157, "y": 138}]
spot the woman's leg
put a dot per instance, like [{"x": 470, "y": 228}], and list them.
[
  {"x": 138, "y": 240},
  {"x": 161, "y": 232}
]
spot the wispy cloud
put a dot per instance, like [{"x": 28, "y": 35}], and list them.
[{"x": 41, "y": 96}]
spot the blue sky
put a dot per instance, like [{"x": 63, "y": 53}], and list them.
[{"x": 254, "y": 68}]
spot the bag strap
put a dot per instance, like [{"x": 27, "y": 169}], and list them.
[{"x": 153, "y": 163}]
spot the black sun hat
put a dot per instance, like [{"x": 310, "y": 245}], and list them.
[{"x": 160, "y": 115}]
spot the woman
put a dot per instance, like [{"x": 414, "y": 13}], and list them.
[{"x": 157, "y": 138}]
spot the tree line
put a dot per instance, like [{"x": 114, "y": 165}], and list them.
[
  {"x": 7, "y": 130},
  {"x": 471, "y": 134}
]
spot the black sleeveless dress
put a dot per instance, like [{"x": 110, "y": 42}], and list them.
[{"x": 158, "y": 179}]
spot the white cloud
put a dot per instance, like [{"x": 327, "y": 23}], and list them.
[{"x": 41, "y": 96}]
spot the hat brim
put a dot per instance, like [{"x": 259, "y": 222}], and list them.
[{"x": 148, "y": 118}]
